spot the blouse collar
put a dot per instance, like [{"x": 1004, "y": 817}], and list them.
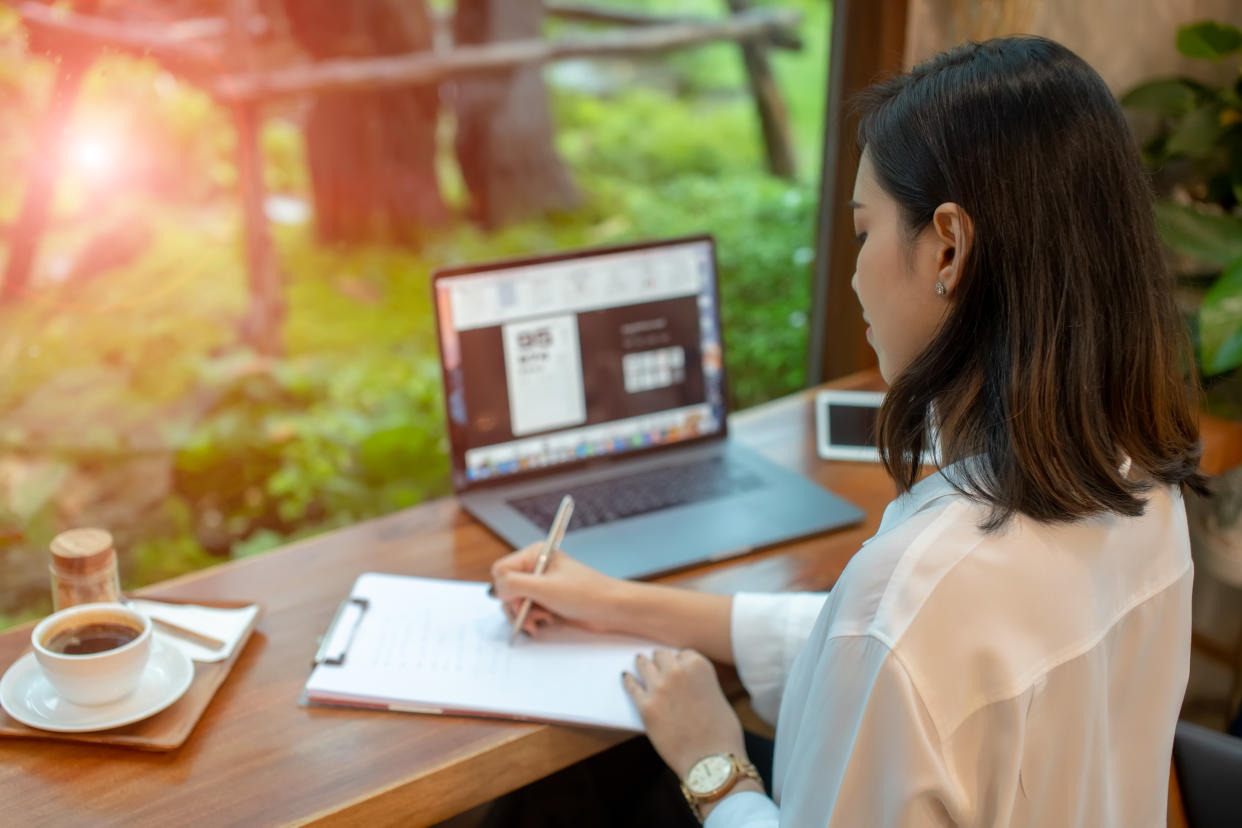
[{"x": 922, "y": 494}]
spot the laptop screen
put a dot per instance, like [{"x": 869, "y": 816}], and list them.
[{"x": 578, "y": 357}]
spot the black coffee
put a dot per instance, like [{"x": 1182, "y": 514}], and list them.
[{"x": 92, "y": 638}]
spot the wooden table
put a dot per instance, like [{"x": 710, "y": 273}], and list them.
[{"x": 257, "y": 758}]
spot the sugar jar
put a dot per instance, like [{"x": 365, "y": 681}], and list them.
[{"x": 83, "y": 568}]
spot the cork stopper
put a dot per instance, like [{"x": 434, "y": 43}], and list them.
[{"x": 83, "y": 550}]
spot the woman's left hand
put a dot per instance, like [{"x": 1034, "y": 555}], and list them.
[{"x": 683, "y": 708}]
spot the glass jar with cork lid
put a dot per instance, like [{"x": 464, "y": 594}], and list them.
[{"x": 83, "y": 568}]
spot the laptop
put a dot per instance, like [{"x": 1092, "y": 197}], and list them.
[{"x": 600, "y": 373}]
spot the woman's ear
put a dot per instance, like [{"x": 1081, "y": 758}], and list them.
[{"x": 954, "y": 232}]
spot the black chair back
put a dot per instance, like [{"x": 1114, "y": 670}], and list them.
[{"x": 1209, "y": 772}]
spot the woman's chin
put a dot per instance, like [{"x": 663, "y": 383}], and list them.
[{"x": 885, "y": 370}]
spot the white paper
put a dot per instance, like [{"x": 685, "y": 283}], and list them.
[
  {"x": 543, "y": 369},
  {"x": 426, "y": 644}
]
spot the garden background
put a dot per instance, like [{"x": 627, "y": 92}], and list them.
[{"x": 127, "y": 401}]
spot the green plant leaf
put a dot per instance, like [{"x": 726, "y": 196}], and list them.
[
  {"x": 1220, "y": 323},
  {"x": 1169, "y": 96},
  {"x": 1196, "y": 135},
  {"x": 1209, "y": 40},
  {"x": 1211, "y": 240}
]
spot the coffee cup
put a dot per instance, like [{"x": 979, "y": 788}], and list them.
[{"x": 93, "y": 653}]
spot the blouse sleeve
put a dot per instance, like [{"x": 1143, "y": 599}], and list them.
[
  {"x": 866, "y": 751},
  {"x": 767, "y": 630}
]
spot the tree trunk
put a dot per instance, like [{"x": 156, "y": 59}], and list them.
[
  {"x": 769, "y": 106},
  {"x": 505, "y": 138},
  {"x": 41, "y": 179},
  {"x": 371, "y": 154}
]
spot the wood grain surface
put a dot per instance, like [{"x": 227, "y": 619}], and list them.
[{"x": 258, "y": 758}]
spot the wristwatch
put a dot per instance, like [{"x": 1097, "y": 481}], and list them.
[{"x": 712, "y": 777}]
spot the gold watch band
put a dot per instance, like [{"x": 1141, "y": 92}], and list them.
[{"x": 741, "y": 770}]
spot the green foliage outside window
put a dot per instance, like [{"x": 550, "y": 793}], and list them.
[
  {"x": 1195, "y": 152},
  {"x": 127, "y": 402}
]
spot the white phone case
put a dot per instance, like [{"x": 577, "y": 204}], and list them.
[{"x": 824, "y": 401}]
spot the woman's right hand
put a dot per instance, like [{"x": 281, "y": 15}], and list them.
[{"x": 567, "y": 591}]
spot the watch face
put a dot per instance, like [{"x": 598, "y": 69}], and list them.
[{"x": 709, "y": 773}]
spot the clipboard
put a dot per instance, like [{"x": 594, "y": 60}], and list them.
[
  {"x": 334, "y": 645},
  {"x": 423, "y": 645}
]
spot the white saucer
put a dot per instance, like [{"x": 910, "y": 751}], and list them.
[{"x": 28, "y": 697}]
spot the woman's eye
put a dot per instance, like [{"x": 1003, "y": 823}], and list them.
[{"x": 860, "y": 238}]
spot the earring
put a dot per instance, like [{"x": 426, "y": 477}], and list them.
[{"x": 940, "y": 289}]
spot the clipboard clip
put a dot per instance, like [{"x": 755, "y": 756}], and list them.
[{"x": 335, "y": 643}]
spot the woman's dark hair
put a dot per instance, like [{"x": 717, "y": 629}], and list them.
[{"x": 1061, "y": 353}]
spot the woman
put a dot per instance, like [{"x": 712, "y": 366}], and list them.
[{"x": 1012, "y": 646}]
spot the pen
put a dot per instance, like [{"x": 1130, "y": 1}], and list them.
[{"x": 555, "y": 535}]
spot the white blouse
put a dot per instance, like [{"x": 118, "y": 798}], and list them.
[{"x": 952, "y": 677}]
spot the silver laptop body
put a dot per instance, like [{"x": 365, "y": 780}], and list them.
[{"x": 600, "y": 373}]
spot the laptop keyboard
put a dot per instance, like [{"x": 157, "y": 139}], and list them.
[{"x": 640, "y": 493}]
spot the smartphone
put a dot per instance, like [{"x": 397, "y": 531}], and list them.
[{"x": 845, "y": 424}]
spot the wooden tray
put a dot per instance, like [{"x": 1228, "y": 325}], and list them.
[{"x": 168, "y": 729}]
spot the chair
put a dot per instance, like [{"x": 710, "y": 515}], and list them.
[
  {"x": 1208, "y": 766},
  {"x": 1215, "y": 525}
]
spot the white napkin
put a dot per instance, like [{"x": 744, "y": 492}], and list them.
[{"x": 225, "y": 624}]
